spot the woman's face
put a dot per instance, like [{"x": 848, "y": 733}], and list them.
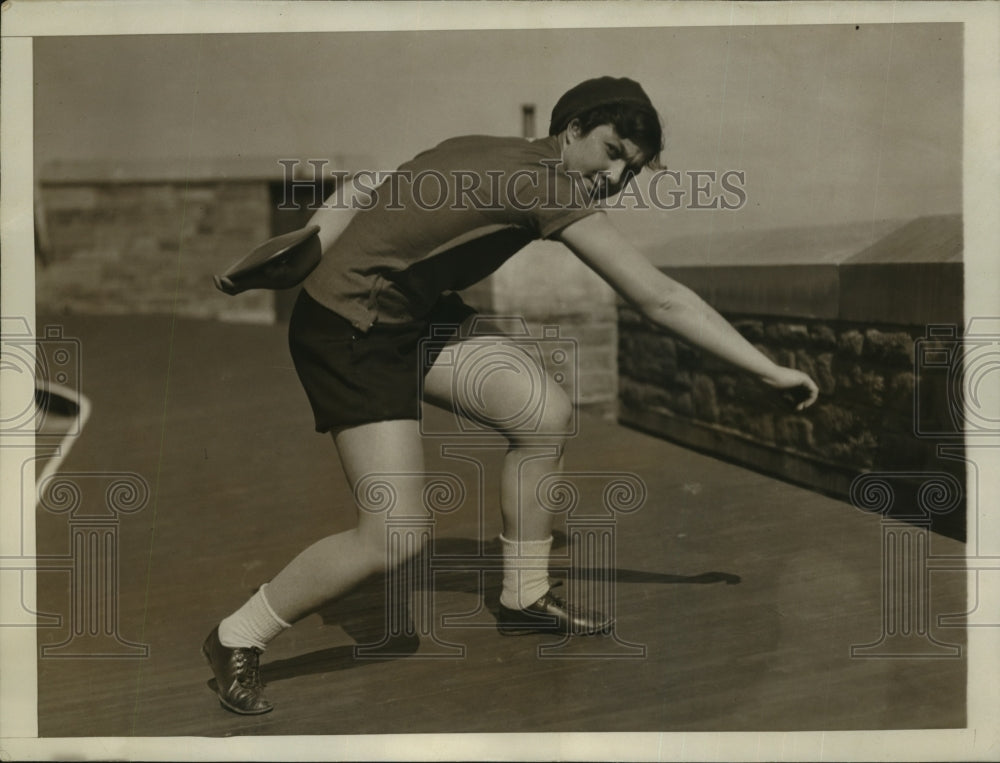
[{"x": 601, "y": 158}]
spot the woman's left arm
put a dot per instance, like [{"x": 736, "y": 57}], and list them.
[
  {"x": 669, "y": 304},
  {"x": 337, "y": 211}
]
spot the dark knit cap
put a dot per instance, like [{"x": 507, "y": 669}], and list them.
[{"x": 592, "y": 93}]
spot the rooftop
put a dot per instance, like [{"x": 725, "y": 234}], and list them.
[{"x": 738, "y": 597}]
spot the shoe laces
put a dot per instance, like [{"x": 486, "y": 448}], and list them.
[
  {"x": 560, "y": 602},
  {"x": 572, "y": 609},
  {"x": 247, "y": 664}
]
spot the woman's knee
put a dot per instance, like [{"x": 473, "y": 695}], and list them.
[
  {"x": 503, "y": 385},
  {"x": 557, "y": 414},
  {"x": 530, "y": 406},
  {"x": 549, "y": 420}
]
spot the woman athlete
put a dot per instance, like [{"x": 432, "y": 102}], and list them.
[{"x": 390, "y": 266}]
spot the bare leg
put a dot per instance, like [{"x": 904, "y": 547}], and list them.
[
  {"x": 388, "y": 451},
  {"x": 486, "y": 379},
  {"x": 496, "y": 399}
]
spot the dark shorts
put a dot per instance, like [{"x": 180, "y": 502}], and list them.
[{"x": 353, "y": 378}]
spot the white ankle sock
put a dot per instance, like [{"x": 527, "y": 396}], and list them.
[
  {"x": 253, "y": 624},
  {"x": 525, "y": 572}
]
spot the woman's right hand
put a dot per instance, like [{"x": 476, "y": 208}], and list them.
[{"x": 803, "y": 388}]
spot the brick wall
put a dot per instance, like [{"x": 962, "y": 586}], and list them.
[{"x": 150, "y": 247}]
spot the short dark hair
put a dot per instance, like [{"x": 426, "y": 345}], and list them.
[{"x": 631, "y": 121}]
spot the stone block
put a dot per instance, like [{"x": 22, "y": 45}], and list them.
[
  {"x": 681, "y": 380},
  {"x": 639, "y": 396},
  {"x": 822, "y": 336},
  {"x": 839, "y": 452},
  {"x": 899, "y": 395},
  {"x": 646, "y": 357},
  {"x": 732, "y": 416},
  {"x": 683, "y": 404},
  {"x": 864, "y": 448},
  {"x": 727, "y": 387},
  {"x": 857, "y": 451},
  {"x": 787, "y": 334},
  {"x": 703, "y": 397},
  {"x": 860, "y": 384},
  {"x": 762, "y": 428},
  {"x": 890, "y": 346},
  {"x": 754, "y": 395},
  {"x": 795, "y": 432},
  {"x": 756, "y": 424},
  {"x": 824, "y": 378},
  {"x": 835, "y": 420},
  {"x": 805, "y": 363},
  {"x": 870, "y": 384},
  {"x": 851, "y": 342}
]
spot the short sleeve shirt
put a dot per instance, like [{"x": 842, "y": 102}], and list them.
[{"x": 443, "y": 221}]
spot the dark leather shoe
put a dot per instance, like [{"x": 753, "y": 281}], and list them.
[
  {"x": 237, "y": 676},
  {"x": 550, "y": 614}
]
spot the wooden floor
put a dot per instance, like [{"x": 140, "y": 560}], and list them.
[{"x": 741, "y": 595}]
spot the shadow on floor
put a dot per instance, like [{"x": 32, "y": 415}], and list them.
[{"x": 364, "y": 616}]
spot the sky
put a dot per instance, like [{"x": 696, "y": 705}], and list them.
[{"x": 830, "y": 124}]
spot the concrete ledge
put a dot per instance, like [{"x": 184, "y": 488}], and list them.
[
  {"x": 911, "y": 293},
  {"x": 805, "y": 291},
  {"x": 913, "y": 275},
  {"x": 904, "y": 293},
  {"x": 195, "y": 169}
]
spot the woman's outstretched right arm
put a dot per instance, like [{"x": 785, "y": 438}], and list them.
[{"x": 673, "y": 306}]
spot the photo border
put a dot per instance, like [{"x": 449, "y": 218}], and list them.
[{"x": 23, "y": 21}]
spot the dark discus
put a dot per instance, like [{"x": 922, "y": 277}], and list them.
[{"x": 279, "y": 263}]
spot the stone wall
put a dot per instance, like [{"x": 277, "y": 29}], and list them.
[
  {"x": 869, "y": 415},
  {"x": 149, "y": 247},
  {"x": 864, "y": 417}
]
